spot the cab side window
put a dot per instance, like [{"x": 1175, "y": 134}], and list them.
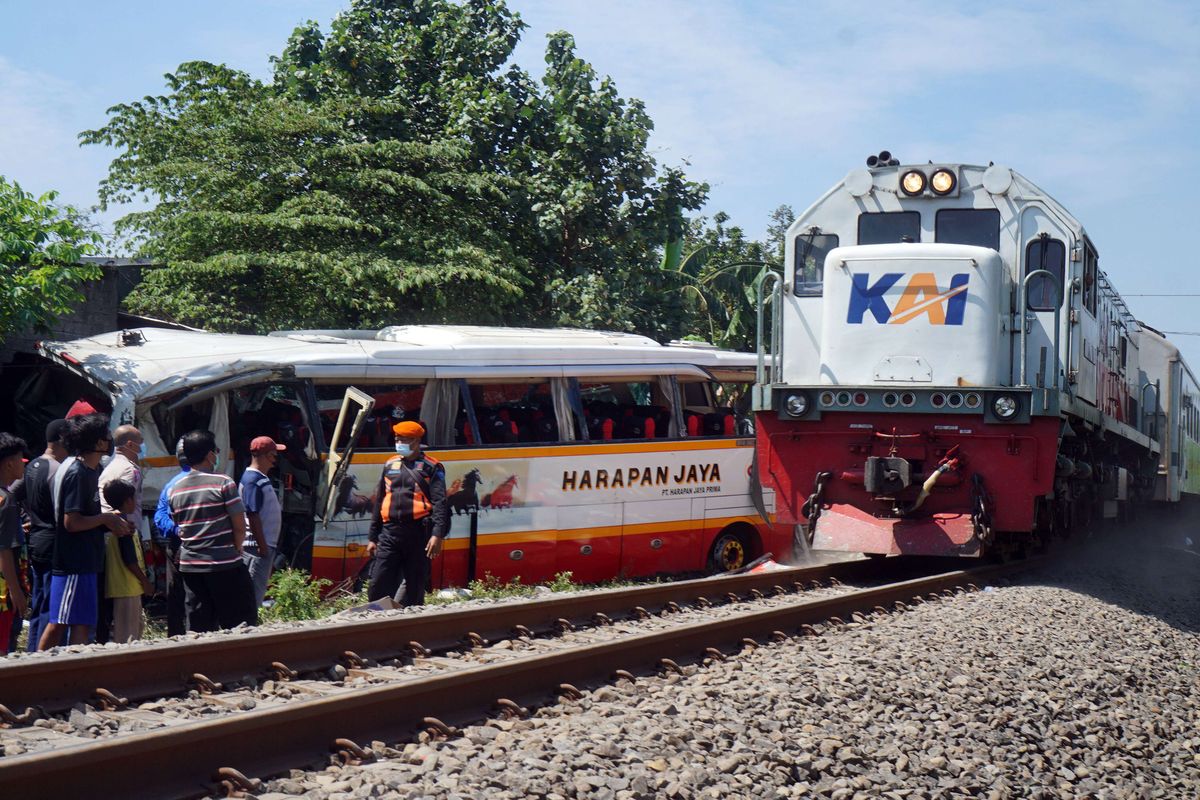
[
  {"x": 1050, "y": 255},
  {"x": 1089, "y": 278},
  {"x": 809, "y": 251}
]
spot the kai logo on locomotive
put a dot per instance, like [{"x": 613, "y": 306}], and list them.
[{"x": 921, "y": 297}]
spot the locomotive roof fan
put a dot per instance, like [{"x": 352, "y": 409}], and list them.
[{"x": 884, "y": 159}]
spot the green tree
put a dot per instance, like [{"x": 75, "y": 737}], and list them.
[
  {"x": 41, "y": 243},
  {"x": 398, "y": 169},
  {"x": 275, "y": 212},
  {"x": 600, "y": 208},
  {"x": 777, "y": 227},
  {"x": 718, "y": 277}
]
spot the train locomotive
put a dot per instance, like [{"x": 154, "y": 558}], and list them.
[{"x": 946, "y": 371}]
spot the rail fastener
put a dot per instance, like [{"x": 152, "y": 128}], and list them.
[{"x": 349, "y": 753}]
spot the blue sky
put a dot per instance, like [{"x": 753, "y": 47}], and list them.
[{"x": 769, "y": 101}]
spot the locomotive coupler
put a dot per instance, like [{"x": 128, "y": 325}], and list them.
[{"x": 887, "y": 475}]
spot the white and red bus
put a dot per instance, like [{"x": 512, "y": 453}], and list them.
[{"x": 602, "y": 454}]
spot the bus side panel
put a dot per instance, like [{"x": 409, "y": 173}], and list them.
[
  {"x": 638, "y": 506},
  {"x": 514, "y": 543},
  {"x": 589, "y": 541},
  {"x": 662, "y": 536}
]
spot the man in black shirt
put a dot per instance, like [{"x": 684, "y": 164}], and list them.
[
  {"x": 36, "y": 496},
  {"x": 12, "y": 595},
  {"x": 79, "y": 535}
]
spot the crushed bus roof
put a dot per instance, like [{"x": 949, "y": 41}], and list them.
[{"x": 153, "y": 362}]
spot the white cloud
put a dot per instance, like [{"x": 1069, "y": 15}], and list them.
[
  {"x": 42, "y": 116},
  {"x": 773, "y": 101}
]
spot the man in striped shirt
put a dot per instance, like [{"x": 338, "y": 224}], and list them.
[{"x": 208, "y": 511}]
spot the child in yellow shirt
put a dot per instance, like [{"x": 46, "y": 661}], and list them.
[{"x": 125, "y": 578}]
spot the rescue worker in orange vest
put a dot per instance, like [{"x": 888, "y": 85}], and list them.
[{"x": 410, "y": 520}]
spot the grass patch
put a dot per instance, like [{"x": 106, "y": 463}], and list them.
[
  {"x": 153, "y": 627},
  {"x": 295, "y": 595}
]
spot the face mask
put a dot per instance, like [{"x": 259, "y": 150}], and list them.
[
  {"x": 216, "y": 463},
  {"x": 141, "y": 451},
  {"x": 403, "y": 448}
]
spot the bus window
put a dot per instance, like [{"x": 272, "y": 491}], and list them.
[
  {"x": 276, "y": 410},
  {"x": 174, "y": 424},
  {"x": 513, "y": 413},
  {"x": 280, "y": 410},
  {"x": 393, "y": 402},
  {"x": 625, "y": 409},
  {"x": 708, "y": 408}
]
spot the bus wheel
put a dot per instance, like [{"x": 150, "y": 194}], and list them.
[{"x": 728, "y": 552}]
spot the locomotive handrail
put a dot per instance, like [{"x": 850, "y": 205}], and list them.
[
  {"x": 760, "y": 376},
  {"x": 1058, "y": 293}
]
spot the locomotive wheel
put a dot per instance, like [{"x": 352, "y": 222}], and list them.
[{"x": 728, "y": 552}]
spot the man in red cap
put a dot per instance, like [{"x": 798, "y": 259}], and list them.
[
  {"x": 410, "y": 521},
  {"x": 264, "y": 515}
]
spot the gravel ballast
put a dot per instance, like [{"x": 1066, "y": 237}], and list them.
[{"x": 1082, "y": 681}]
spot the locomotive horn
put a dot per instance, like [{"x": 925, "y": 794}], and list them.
[
  {"x": 885, "y": 156},
  {"x": 872, "y": 161},
  {"x": 893, "y": 162}
]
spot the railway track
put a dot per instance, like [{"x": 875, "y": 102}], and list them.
[{"x": 393, "y": 684}]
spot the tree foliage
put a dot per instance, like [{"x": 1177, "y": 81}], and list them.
[
  {"x": 41, "y": 243},
  {"x": 718, "y": 278},
  {"x": 396, "y": 169}
]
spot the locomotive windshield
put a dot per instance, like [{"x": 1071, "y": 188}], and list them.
[
  {"x": 888, "y": 227},
  {"x": 974, "y": 226},
  {"x": 811, "y": 249}
]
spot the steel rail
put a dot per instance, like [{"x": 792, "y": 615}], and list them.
[
  {"x": 162, "y": 669},
  {"x": 184, "y": 760}
]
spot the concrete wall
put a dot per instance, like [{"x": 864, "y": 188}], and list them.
[{"x": 96, "y": 314}]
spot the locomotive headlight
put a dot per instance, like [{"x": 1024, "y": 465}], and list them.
[
  {"x": 913, "y": 182},
  {"x": 942, "y": 182},
  {"x": 796, "y": 404},
  {"x": 1005, "y": 406}
]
